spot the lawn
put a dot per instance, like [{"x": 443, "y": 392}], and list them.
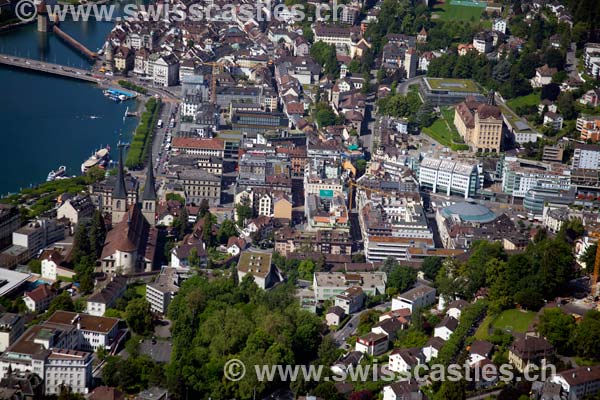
[
  {"x": 451, "y": 12},
  {"x": 512, "y": 320},
  {"x": 444, "y": 132},
  {"x": 532, "y": 99}
]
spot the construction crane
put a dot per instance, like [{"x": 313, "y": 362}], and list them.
[
  {"x": 217, "y": 68},
  {"x": 594, "y": 292}
]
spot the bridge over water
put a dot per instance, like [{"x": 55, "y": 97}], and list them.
[{"x": 50, "y": 68}]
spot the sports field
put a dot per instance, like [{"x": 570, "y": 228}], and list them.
[{"x": 448, "y": 11}]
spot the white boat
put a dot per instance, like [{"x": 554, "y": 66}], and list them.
[
  {"x": 94, "y": 117},
  {"x": 52, "y": 175},
  {"x": 98, "y": 159}
]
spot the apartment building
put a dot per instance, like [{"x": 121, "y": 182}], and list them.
[
  {"x": 589, "y": 126},
  {"x": 38, "y": 234},
  {"x": 327, "y": 285},
  {"x": 10, "y": 221},
  {"x": 586, "y": 156},
  {"x": 199, "y": 185}
]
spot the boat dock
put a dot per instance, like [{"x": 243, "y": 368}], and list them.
[{"x": 117, "y": 92}]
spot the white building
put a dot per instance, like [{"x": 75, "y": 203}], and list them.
[
  {"x": 11, "y": 327},
  {"x": 586, "y": 156},
  {"x": 405, "y": 360},
  {"x": 579, "y": 382},
  {"x": 59, "y": 349},
  {"x": 483, "y": 42},
  {"x": 39, "y": 298},
  {"x": 165, "y": 70},
  {"x": 416, "y": 298},
  {"x": 445, "y": 328},
  {"x": 329, "y": 284},
  {"x": 456, "y": 308},
  {"x": 451, "y": 177},
  {"x": 432, "y": 348},
  {"x": 403, "y": 390},
  {"x": 161, "y": 292},
  {"x": 520, "y": 175},
  {"x": 499, "y": 25},
  {"x": 372, "y": 344},
  {"x": 99, "y": 302}
]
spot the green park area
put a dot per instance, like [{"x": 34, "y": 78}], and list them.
[
  {"x": 444, "y": 131},
  {"x": 510, "y": 320},
  {"x": 532, "y": 99},
  {"x": 448, "y": 11}
]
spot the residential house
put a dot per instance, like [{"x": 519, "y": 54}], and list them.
[
  {"x": 553, "y": 120},
  {"x": 432, "y": 348},
  {"x": 403, "y": 390},
  {"x": 39, "y": 299},
  {"x": 372, "y": 343},
  {"x": 543, "y": 76},
  {"x": 446, "y": 328},
  {"x": 259, "y": 266},
  {"x": 346, "y": 362},
  {"x": 106, "y": 298},
  {"x": 405, "y": 360},
  {"x": 416, "y": 298},
  {"x": 388, "y": 327},
  {"x": 76, "y": 208},
  {"x": 526, "y": 351},
  {"x": 351, "y": 300},
  {"x": 334, "y": 316},
  {"x": 591, "y": 98},
  {"x": 479, "y": 350},
  {"x": 456, "y": 308},
  {"x": 483, "y": 42},
  {"x": 53, "y": 264}
]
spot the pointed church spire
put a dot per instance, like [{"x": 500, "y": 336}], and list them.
[
  {"x": 120, "y": 191},
  {"x": 150, "y": 186}
]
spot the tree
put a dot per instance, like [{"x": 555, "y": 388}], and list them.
[
  {"x": 138, "y": 316},
  {"x": 431, "y": 266},
  {"x": 402, "y": 278},
  {"x": 426, "y": 115},
  {"x": 35, "y": 266},
  {"x": 325, "y": 55},
  {"x": 226, "y": 230},
  {"x": 204, "y": 208},
  {"x": 325, "y": 116},
  {"x": 557, "y": 327},
  {"x": 207, "y": 236},
  {"x": 550, "y": 91},
  {"x": 62, "y": 302},
  {"x": 586, "y": 338},
  {"x": 97, "y": 234},
  {"x": 306, "y": 269},
  {"x": 451, "y": 390},
  {"x": 588, "y": 258},
  {"x": 361, "y": 166},
  {"x": 566, "y": 105}
]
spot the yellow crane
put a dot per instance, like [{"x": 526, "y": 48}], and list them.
[
  {"x": 217, "y": 68},
  {"x": 594, "y": 292}
]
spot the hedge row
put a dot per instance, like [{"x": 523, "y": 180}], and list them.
[
  {"x": 142, "y": 139},
  {"x": 134, "y": 87},
  {"x": 469, "y": 319}
]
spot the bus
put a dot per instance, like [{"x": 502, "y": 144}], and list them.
[{"x": 160, "y": 123}]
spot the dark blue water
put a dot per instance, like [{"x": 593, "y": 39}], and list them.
[{"x": 44, "y": 120}]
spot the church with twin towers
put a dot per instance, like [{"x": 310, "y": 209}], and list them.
[{"x": 130, "y": 245}]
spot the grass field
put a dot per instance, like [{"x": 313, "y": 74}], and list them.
[
  {"x": 511, "y": 320},
  {"x": 450, "y": 12},
  {"x": 532, "y": 99},
  {"x": 444, "y": 132}
]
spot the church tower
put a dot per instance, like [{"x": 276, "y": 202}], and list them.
[
  {"x": 119, "y": 195},
  {"x": 149, "y": 196}
]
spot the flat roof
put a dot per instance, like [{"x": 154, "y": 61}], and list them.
[
  {"x": 452, "y": 85},
  {"x": 11, "y": 280}
]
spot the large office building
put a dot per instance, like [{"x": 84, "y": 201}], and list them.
[
  {"x": 444, "y": 91},
  {"x": 450, "y": 177},
  {"x": 392, "y": 219},
  {"x": 520, "y": 175},
  {"x": 259, "y": 122}
]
